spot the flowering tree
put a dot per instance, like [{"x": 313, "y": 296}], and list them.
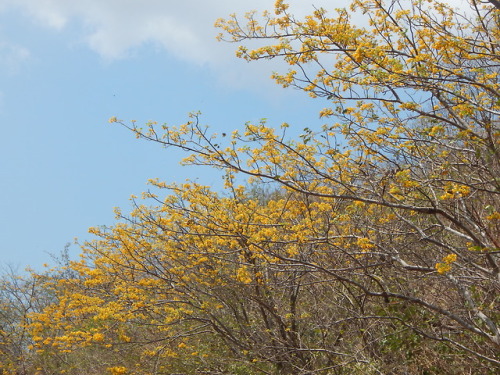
[
  {"x": 20, "y": 296},
  {"x": 378, "y": 245}
]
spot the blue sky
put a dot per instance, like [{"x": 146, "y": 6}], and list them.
[{"x": 66, "y": 67}]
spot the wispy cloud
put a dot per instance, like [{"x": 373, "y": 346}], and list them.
[
  {"x": 114, "y": 27},
  {"x": 12, "y": 56}
]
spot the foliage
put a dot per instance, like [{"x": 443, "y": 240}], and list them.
[
  {"x": 20, "y": 296},
  {"x": 375, "y": 249}
]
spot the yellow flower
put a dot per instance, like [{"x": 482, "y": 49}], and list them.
[
  {"x": 98, "y": 337},
  {"x": 117, "y": 370},
  {"x": 445, "y": 267},
  {"x": 243, "y": 275},
  {"x": 450, "y": 258}
]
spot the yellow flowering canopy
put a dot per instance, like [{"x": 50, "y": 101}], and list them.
[{"x": 367, "y": 244}]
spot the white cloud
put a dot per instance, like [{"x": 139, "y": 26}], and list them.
[
  {"x": 183, "y": 27},
  {"x": 11, "y": 56},
  {"x": 113, "y": 27}
]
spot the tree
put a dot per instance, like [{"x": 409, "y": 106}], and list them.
[
  {"x": 20, "y": 295},
  {"x": 379, "y": 248}
]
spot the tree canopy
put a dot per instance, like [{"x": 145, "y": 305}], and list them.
[{"x": 369, "y": 246}]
